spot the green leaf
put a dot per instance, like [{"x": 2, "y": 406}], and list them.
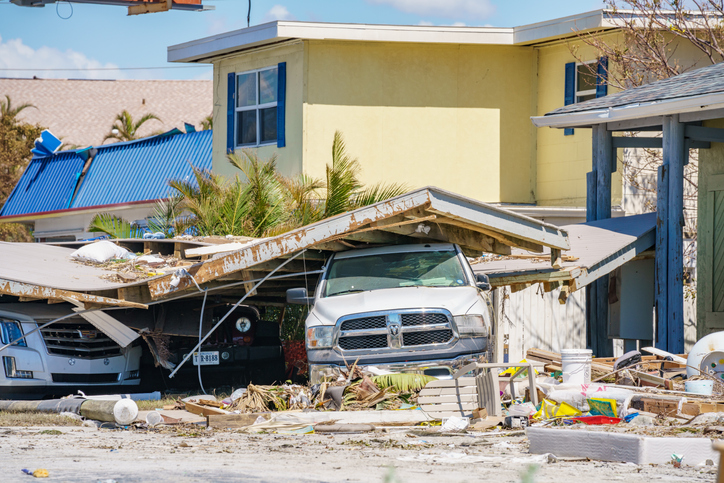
[{"x": 114, "y": 226}]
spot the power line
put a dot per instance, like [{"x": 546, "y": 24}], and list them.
[{"x": 110, "y": 68}]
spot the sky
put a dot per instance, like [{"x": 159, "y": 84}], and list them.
[{"x": 102, "y": 42}]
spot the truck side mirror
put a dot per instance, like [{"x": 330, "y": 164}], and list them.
[
  {"x": 298, "y": 296},
  {"x": 482, "y": 281}
]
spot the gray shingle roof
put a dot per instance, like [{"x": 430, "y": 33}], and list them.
[
  {"x": 81, "y": 112},
  {"x": 707, "y": 80}
]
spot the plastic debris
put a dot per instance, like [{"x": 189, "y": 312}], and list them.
[
  {"x": 455, "y": 423},
  {"x": 552, "y": 410}
]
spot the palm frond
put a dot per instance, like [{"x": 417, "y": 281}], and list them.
[
  {"x": 377, "y": 193},
  {"x": 342, "y": 179},
  {"x": 114, "y": 226},
  {"x": 403, "y": 382}
]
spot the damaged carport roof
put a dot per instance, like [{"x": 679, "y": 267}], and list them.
[
  {"x": 424, "y": 215},
  {"x": 597, "y": 248}
]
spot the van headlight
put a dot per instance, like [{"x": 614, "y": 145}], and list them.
[
  {"x": 471, "y": 325},
  {"x": 320, "y": 337},
  {"x": 10, "y": 331}
]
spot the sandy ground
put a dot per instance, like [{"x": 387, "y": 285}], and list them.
[{"x": 192, "y": 453}]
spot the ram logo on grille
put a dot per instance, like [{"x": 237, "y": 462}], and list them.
[{"x": 394, "y": 329}]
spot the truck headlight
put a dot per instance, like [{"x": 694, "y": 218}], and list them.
[
  {"x": 471, "y": 325},
  {"x": 320, "y": 337},
  {"x": 11, "y": 372}
]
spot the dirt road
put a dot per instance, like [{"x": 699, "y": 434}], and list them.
[{"x": 193, "y": 453}]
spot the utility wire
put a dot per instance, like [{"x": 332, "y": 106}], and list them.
[{"x": 109, "y": 68}]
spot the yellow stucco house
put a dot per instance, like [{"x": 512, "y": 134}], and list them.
[{"x": 420, "y": 105}]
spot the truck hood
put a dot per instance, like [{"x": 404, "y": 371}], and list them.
[{"x": 455, "y": 299}]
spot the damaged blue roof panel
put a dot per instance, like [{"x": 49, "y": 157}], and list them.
[
  {"x": 140, "y": 170},
  {"x": 46, "y": 185}
]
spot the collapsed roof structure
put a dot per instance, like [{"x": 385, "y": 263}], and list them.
[{"x": 33, "y": 271}]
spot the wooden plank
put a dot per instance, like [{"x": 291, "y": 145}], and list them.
[
  {"x": 501, "y": 237},
  {"x": 449, "y": 406},
  {"x": 642, "y": 124},
  {"x": 19, "y": 289},
  {"x": 459, "y": 382},
  {"x": 701, "y": 133},
  {"x": 539, "y": 276},
  {"x": 203, "y": 410},
  {"x": 636, "y": 142},
  {"x": 452, "y": 398},
  {"x": 444, "y": 391},
  {"x": 233, "y": 420}
]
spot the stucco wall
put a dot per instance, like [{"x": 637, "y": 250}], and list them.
[
  {"x": 563, "y": 161},
  {"x": 452, "y": 116},
  {"x": 290, "y": 157}
]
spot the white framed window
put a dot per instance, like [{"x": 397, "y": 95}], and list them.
[
  {"x": 585, "y": 81},
  {"x": 256, "y": 107}
]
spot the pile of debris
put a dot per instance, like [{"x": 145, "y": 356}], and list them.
[{"x": 125, "y": 265}]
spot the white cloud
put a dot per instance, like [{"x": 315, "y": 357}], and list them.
[
  {"x": 425, "y": 23},
  {"x": 278, "y": 12},
  {"x": 14, "y": 54},
  {"x": 453, "y": 9},
  {"x": 459, "y": 24}
]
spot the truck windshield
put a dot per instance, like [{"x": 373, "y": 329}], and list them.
[{"x": 393, "y": 270}]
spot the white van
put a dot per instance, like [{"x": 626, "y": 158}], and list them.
[{"x": 62, "y": 358}]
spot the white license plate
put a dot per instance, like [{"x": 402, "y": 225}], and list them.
[{"x": 206, "y": 358}]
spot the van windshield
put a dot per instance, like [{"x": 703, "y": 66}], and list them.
[{"x": 393, "y": 270}]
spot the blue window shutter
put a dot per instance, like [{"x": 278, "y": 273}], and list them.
[
  {"x": 230, "y": 110},
  {"x": 281, "y": 103},
  {"x": 602, "y": 77},
  {"x": 570, "y": 90}
]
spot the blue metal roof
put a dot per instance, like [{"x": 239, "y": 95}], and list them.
[
  {"x": 46, "y": 185},
  {"x": 119, "y": 173}
]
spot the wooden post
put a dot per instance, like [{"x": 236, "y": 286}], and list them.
[
  {"x": 675, "y": 286},
  {"x": 603, "y": 153},
  {"x": 662, "y": 201},
  {"x": 591, "y": 195}
]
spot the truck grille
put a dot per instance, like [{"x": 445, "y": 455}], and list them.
[
  {"x": 79, "y": 339},
  {"x": 378, "y": 331},
  {"x": 422, "y": 338},
  {"x": 377, "y": 322}
]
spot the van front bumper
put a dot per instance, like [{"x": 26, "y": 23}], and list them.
[{"x": 440, "y": 368}]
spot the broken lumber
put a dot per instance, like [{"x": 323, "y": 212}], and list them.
[{"x": 203, "y": 410}]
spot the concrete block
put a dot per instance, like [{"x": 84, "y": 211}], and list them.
[{"x": 610, "y": 446}]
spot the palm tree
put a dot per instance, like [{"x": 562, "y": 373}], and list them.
[
  {"x": 8, "y": 113},
  {"x": 207, "y": 123},
  {"x": 125, "y": 128}
]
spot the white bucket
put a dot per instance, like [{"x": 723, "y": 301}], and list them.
[
  {"x": 576, "y": 365},
  {"x": 705, "y": 387}
]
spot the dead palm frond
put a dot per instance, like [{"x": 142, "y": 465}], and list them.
[
  {"x": 9, "y": 113},
  {"x": 403, "y": 382}
]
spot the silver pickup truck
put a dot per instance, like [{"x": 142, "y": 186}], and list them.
[
  {"x": 401, "y": 308},
  {"x": 62, "y": 358}
]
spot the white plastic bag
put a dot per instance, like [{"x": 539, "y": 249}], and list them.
[{"x": 100, "y": 252}]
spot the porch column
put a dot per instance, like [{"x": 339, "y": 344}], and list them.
[
  {"x": 598, "y": 207},
  {"x": 675, "y": 152}
]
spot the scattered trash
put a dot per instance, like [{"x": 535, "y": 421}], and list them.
[
  {"x": 516, "y": 422},
  {"x": 101, "y": 252},
  {"x": 455, "y": 424},
  {"x": 39, "y": 473},
  {"x": 676, "y": 460}
]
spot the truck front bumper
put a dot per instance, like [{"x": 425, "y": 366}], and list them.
[{"x": 440, "y": 368}]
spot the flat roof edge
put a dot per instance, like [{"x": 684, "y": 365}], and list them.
[{"x": 205, "y": 48}]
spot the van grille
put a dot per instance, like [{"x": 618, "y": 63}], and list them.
[
  {"x": 86, "y": 378},
  {"x": 373, "y": 331},
  {"x": 78, "y": 339}
]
